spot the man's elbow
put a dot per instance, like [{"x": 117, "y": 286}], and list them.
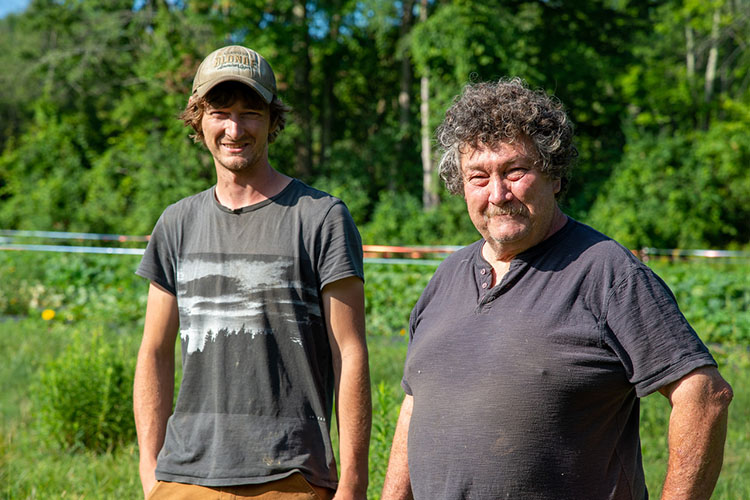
[
  {"x": 715, "y": 400},
  {"x": 722, "y": 395}
]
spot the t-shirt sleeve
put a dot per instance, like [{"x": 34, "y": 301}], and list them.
[
  {"x": 412, "y": 327},
  {"x": 159, "y": 262},
  {"x": 340, "y": 249},
  {"x": 649, "y": 333}
]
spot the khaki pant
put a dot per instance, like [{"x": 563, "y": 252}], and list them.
[{"x": 294, "y": 487}]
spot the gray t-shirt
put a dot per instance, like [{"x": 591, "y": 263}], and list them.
[
  {"x": 530, "y": 389},
  {"x": 257, "y": 385}
]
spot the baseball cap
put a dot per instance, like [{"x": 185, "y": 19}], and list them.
[{"x": 239, "y": 64}]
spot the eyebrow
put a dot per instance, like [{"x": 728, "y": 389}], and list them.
[{"x": 514, "y": 161}]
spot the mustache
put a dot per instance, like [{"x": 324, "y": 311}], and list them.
[{"x": 493, "y": 210}]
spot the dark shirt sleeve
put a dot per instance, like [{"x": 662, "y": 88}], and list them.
[
  {"x": 159, "y": 262},
  {"x": 645, "y": 327},
  {"x": 340, "y": 249},
  {"x": 412, "y": 326}
]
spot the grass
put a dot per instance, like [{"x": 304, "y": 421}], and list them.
[
  {"x": 101, "y": 295},
  {"x": 734, "y": 482}
]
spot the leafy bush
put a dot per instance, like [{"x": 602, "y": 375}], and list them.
[
  {"x": 390, "y": 294},
  {"x": 685, "y": 190},
  {"x": 75, "y": 286},
  {"x": 398, "y": 219},
  {"x": 353, "y": 192},
  {"x": 714, "y": 296},
  {"x": 84, "y": 396}
]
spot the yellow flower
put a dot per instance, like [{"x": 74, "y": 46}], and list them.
[
  {"x": 48, "y": 314},
  {"x": 402, "y": 332}
]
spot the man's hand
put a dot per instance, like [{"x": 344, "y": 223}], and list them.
[{"x": 697, "y": 431}]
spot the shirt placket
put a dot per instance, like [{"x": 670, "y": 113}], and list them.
[{"x": 484, "y": 282}]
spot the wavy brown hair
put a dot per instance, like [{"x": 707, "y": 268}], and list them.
[
  {"x": 224, "y": 94},
  {"x": 505, "y": 111}
]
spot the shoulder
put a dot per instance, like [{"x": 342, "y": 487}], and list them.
[
  {"x": 586, "y": 247},
  {"x": 302, "y": 193},
  {"x": 615, "y": 272},
  {"x": 314, "y": 204},
  {"x": 187, "y": 207}
]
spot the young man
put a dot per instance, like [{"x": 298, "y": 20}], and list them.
[
  {"x": 529, "y": 349},
  {"x": 262, "y": 278}
]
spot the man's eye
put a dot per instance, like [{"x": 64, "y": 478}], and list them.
[{"x": 516, "y": 174}]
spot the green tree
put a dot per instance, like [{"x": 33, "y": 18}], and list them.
[
  {"x": 150, "y": 161},
  {"x": 90, "y": 138},
  {"x": 103, "y": 149},
  {"x": 41, "y": 171},
  {"x": 680, "y": 182}
]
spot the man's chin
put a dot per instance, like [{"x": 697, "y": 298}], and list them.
[
  {"x": 505, "y": 237},
  {"x": 502, "y": 240},
  {"x": 238, "y": 165}
]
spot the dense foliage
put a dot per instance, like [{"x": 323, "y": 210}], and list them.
[{"x": 659, "y": 93}]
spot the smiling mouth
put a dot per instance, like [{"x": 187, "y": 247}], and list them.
[{"x": 234, "y": 147}]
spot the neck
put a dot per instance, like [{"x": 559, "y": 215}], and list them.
[{"x": 244, "y": 188}]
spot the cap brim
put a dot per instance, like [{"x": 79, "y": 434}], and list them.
[{"x": 262, "y": 91}]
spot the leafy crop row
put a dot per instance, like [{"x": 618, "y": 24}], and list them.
[{"x": 713, "y": 295}]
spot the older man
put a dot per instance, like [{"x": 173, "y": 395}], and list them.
[{"x": 529, "y": 349}]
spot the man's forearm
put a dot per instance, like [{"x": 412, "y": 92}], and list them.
[
  {"x": 397, "y": 484},
  {"x": 153, "y": 387},
  {"x": 697, "y": 431},
  {"x": 153, "y": 392},
  {"x": 695, "y": 458},
  {"x": 354, "y": 414},
  {"x": 344, "y": 309}
]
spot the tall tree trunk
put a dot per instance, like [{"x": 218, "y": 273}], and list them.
[
  {"x": 301, "y": 49},
  {"x": 327, "y": 109},
  {"x": 690, "y": 58},
  {"x": 713, "y": 58},
  {"x": 429, "y": 198},
  {"x": 404, "y": 95}
]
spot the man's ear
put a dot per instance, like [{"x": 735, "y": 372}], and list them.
[{"x": 272, "y": 128}]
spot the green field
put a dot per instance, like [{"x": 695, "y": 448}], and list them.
[{"x": 98, "y": 304}]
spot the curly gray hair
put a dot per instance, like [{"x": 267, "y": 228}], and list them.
[{"x": 504, "y": 111}]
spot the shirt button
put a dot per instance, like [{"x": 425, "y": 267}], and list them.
[
  {"x": 484, "y": 285},
  {"x": 483, "y": 271}
]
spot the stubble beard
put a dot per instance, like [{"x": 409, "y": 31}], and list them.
[
  {"x": 240, "y": 163},
  {"x": 236, "y": 164}
]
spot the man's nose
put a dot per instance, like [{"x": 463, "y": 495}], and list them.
[
  {"x": 499, "y": 191},
  {"x": 234, "y": 127}
]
